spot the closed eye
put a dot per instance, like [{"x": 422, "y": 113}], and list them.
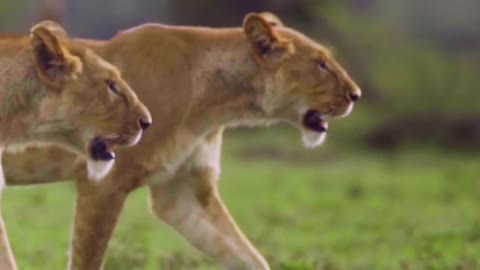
[{"x": 112, "y": 86}]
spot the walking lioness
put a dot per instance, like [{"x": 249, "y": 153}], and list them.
[
  {"x": 53, "y": 90},
  {"x": 56, "y": 91},
  {"x": 196, "y": 81}
]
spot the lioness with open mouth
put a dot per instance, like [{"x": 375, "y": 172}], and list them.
[
  {"x": 196, "y": 81},
  {"x": 54, "y": 90},
  {"x": 57, "y": 91}
]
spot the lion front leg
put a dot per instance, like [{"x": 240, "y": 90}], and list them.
[
  {"x": 7, "y": 260},
  {"x": 192, "y": 206},
  {"x": 97, "y": 209}
]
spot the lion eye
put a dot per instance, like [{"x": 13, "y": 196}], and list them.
[
  {"x": 112, "y": 86},
  {"x": 322, "y": 65}
]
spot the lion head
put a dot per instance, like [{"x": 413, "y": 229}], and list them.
[
  {"x": 304, "y": 85},
  {"x": 87, "y": 107}
]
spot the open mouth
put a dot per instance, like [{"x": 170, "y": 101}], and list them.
[
  {"x": 100, "y": 149},
  {"x": 313, "y": 120}
]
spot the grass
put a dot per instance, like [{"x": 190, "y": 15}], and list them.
[{"x": 331, "y": 208}]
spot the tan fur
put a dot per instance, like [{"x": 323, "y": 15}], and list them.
[
  {"x": 53, "y": 90},
  {"x": 196, "y": 81}
]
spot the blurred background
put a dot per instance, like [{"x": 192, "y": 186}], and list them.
[{"x": 395, "y": 187}]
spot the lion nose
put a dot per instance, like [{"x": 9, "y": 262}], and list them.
[
  {"x": 354, "y": 94},
  {"x": 354, "y": 97},
  {"x": 144, "y": 124}
]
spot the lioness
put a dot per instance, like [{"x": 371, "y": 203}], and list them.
[
  {"x": 197, "y": 81},
  {"x": 54, "y": 90},
  {"x": 57, "y": 91}
]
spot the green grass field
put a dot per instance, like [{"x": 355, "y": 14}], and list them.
[{"x": 331, "y": 208}]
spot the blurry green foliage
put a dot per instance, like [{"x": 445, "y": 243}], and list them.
[
  {"x": 414, "y": 75},
  {"x": 15, "y": 16}
]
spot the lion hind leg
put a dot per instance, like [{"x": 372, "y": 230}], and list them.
[{"x": 199, "y": 215}]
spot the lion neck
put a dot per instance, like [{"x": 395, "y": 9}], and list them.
[
  {"x": 233, "y": 84},
  {"x": 21, "y": 93}
]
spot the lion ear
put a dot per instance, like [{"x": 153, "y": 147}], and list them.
[
  {"x": 54, "y": 62},
  {"x": 266, "y": 42},
  {"x": 53, "y": 27}
]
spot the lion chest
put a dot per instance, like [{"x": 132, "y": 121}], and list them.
[{"x": 198, "y": 154}]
